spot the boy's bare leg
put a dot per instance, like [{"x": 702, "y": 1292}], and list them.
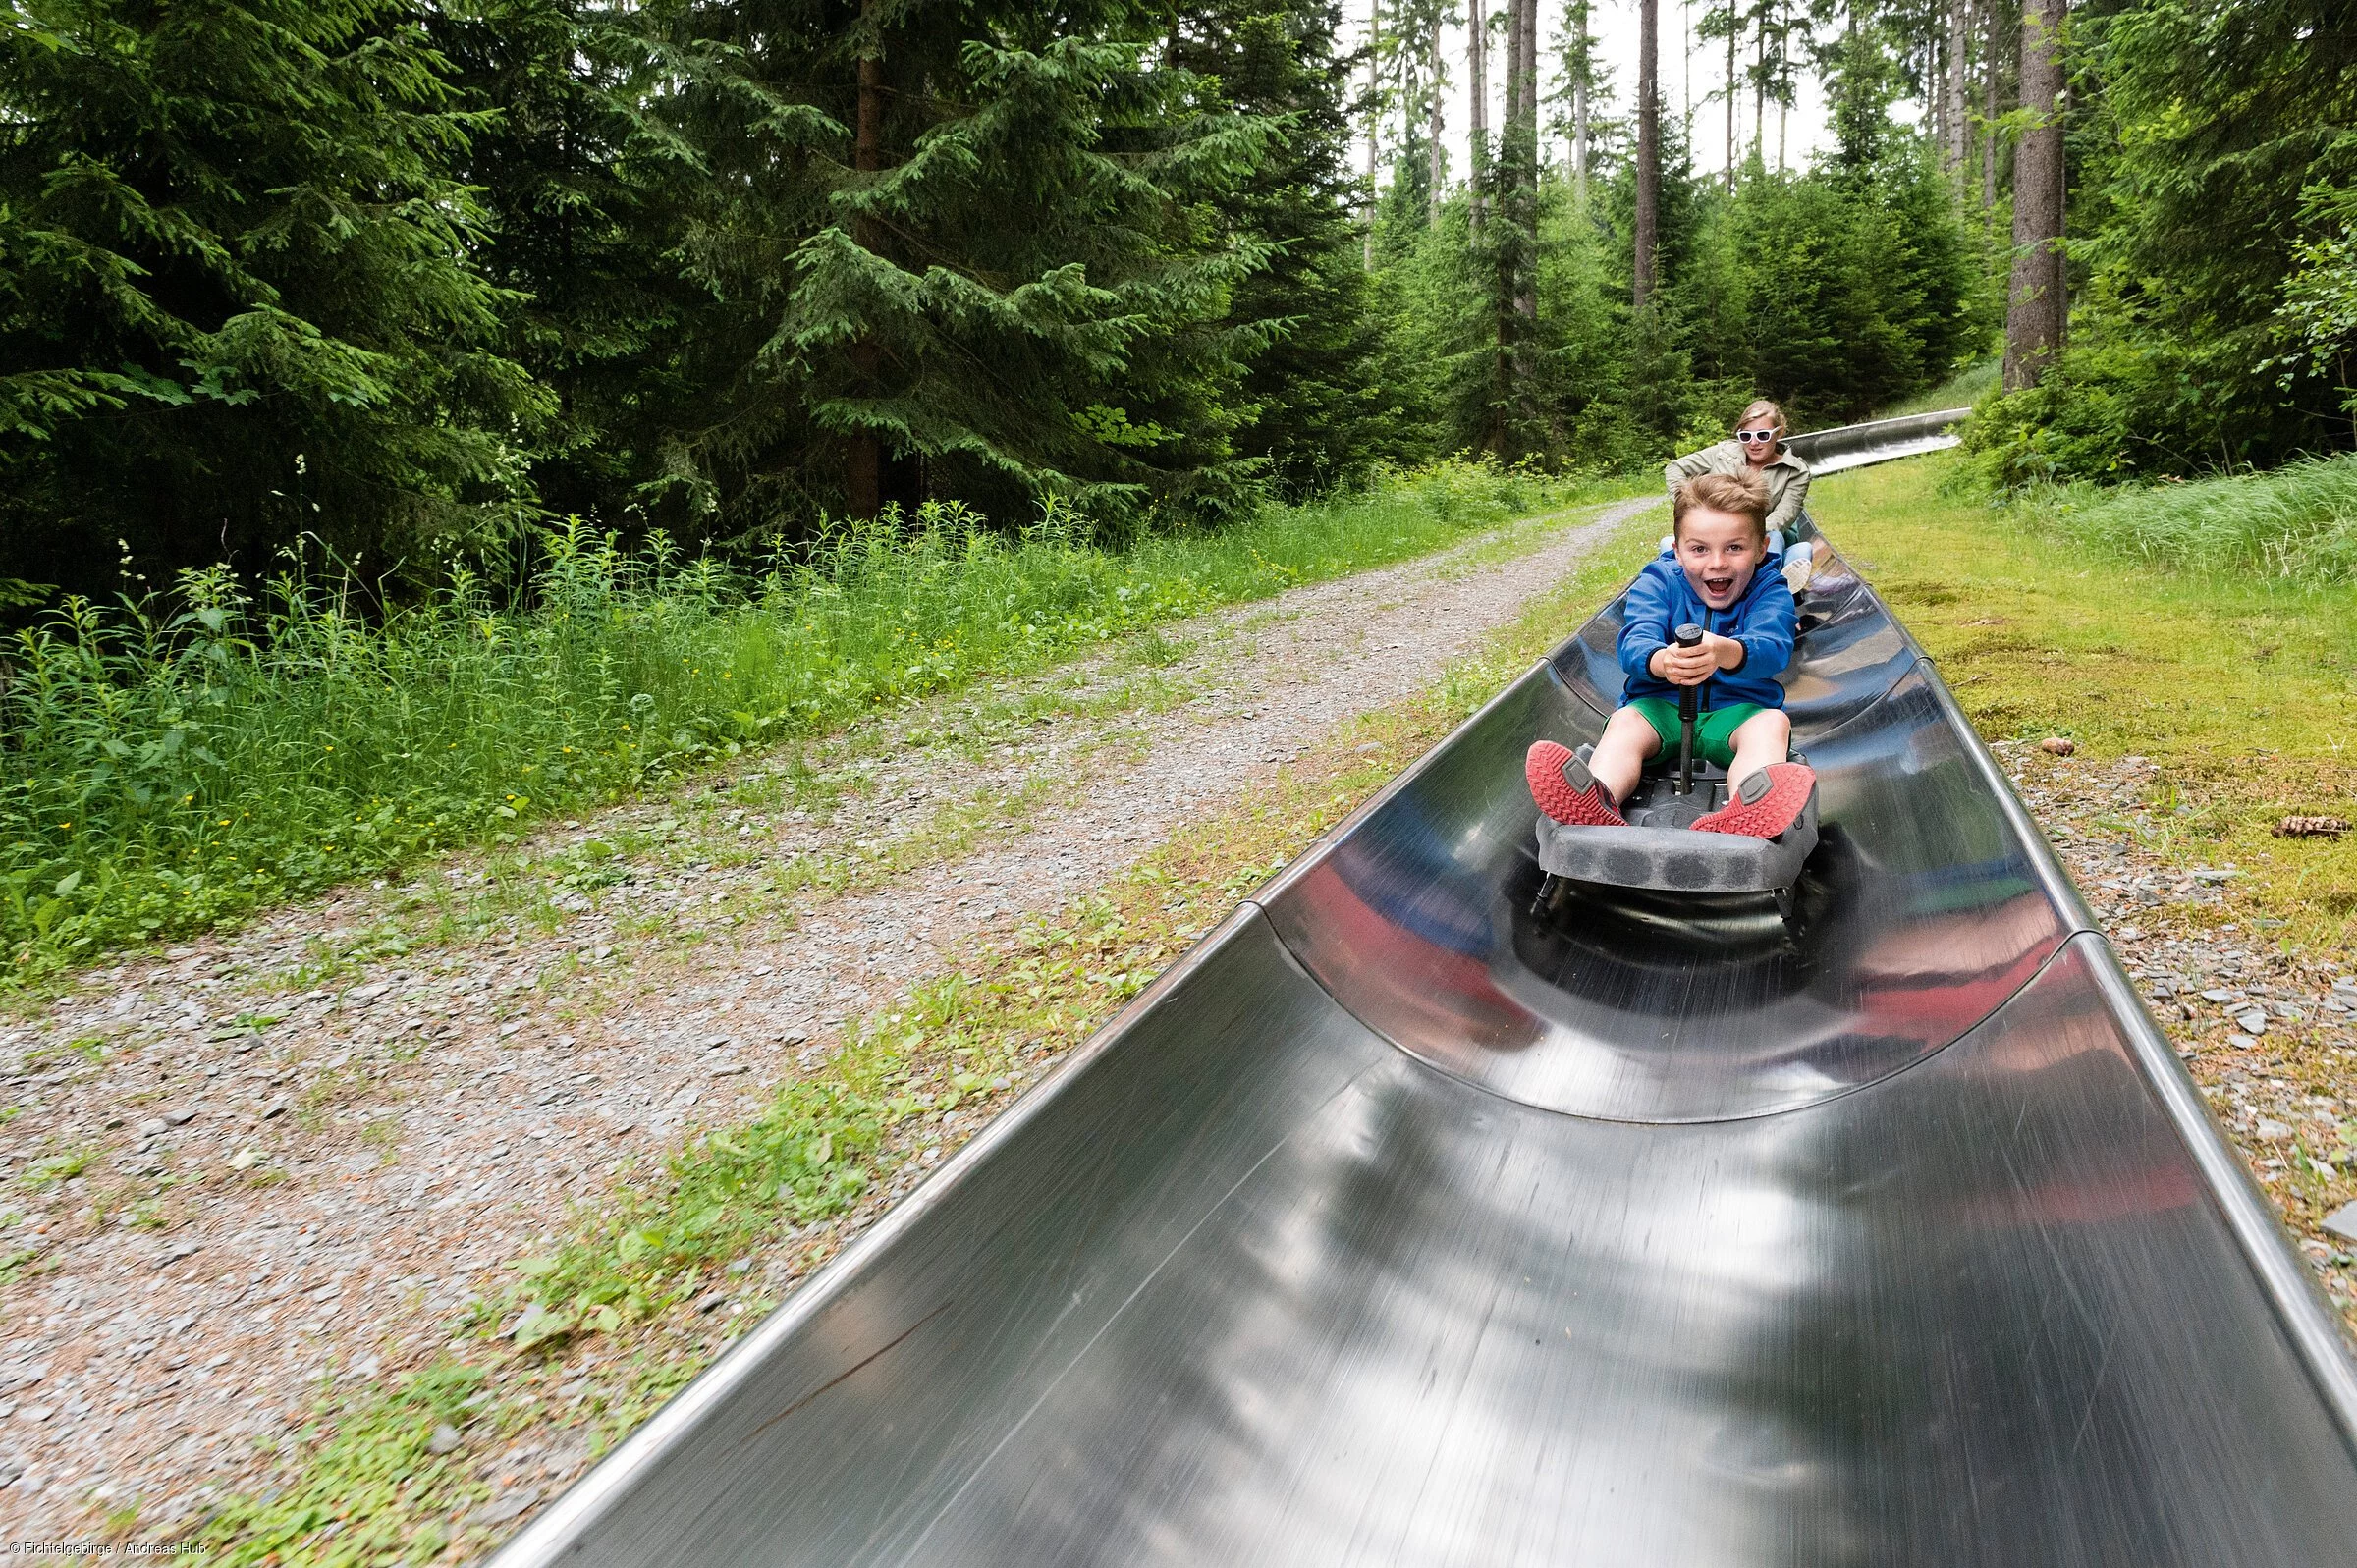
[
  {"x": 1762, "y": 738},
  {"x": 1620, "y": 753}
]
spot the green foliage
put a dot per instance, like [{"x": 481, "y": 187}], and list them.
[
  {"x": 2213, "y": 171},
  {"x": 195, "y": 756},
  {"x": 2297, "y": 523},
  {"x": 236, "y": 299}
]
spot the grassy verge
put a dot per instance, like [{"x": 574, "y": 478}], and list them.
[
  {"x": 185, "y": 761},
  {"x": 1959, "y": 391},
  {"x": 644, "y": 1290},
  {"x": 2242, "y": 691},
  {"x": 2297, "y": 525}
]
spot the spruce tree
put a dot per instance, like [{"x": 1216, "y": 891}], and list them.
[{"x": 236, "y": 296}]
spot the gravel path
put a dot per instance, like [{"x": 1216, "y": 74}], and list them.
[{"x": 284, "y": 1159}]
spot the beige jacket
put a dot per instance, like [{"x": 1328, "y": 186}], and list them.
[{"x": 1787, "y": 477}]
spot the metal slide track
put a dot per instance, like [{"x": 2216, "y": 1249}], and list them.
[{"x": 1394, "y": 1226}]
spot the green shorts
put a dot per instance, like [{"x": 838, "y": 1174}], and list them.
[{"x": 1714, "y": 731}]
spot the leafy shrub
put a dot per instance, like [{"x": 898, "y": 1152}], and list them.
[{"x": 172, "y": 762}]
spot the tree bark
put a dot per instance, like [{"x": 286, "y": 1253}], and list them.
[
  {"x": 1436, "y": 165},
  {"x": 863, "y": 479},
  {"x": 1649, "y": 150},
  {"x": 1477, "y": 66},
  {"x": 1759, "y": 89},
  {"x": 1991, "y": 67},
  {"x": 1951, "y": 97},
  {"x": 2035, "y": 301},
  {"x": 1583, "y": 58},
  {"x": 1733, "y": 97},
  {"x": 1526, "y": 196},
  {"x": 1366, "y": 242}
]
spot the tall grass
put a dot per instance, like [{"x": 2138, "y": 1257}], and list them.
[
  {"x": 2296, "y": 523},
  {"x": 175, "y": 763},
  {"x": 1963, "y": 389}
]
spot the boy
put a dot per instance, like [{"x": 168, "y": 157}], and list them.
[{"x": 1712, "y": 578}]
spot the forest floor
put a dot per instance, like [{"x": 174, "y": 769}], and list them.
[{"x": 278, "y": 1180}]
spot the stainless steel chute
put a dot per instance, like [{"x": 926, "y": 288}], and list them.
[{"x": 1396, "y": 1227}]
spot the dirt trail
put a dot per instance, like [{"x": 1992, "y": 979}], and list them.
[{"x": 349, "y": 1153}]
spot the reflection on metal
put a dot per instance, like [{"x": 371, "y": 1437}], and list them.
[
  {"x": 1879, "y": 441},
  {"x": 1398, "y": 1225}
]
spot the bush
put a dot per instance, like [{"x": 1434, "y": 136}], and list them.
[{"x": 177, "y": 762}]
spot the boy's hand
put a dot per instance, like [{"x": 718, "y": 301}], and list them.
[{"x": 1689, "y": 666}]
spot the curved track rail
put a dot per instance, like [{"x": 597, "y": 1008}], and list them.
[{"x": 1395, "y": 1226}]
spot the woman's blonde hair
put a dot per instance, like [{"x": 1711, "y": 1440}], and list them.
[{"x": 1762, "y": 408}]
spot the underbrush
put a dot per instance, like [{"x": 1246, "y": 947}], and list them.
[
  {"x": 2297, "y": 523},
  {"x": 177, "y": 762}
]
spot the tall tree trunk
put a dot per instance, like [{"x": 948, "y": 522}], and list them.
[
  {"x": 1759, "y": 86},
  {"x": 1526, "y": 196},
  {"x": 2034, "y": 304},
  {"x": 1435, "y": 166},
  {"x": 1366, "y": 242},
  {"x": 1477, "y": 67},
  {"x": 1649, "y": 150},
  {"x": 1784, "y": 99},
  {"x": 863, "y": 478},
  {"x": 1733, "y": 97},
  {"x": 1583, "y": 56},
  {"x": 1991, "y": 67},
  {"x": 1951, "y": 96}
]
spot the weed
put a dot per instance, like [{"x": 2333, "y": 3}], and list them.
[
  {"x": 185, "y": 760},
  {"x": 51, "y": 1170}
]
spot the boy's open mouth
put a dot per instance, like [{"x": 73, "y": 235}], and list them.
[{"x": 1719, "y": 588}]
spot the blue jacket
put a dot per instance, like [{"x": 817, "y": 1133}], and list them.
[{"x": 1762, "y": 620}]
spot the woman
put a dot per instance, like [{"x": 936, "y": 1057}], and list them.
[{"x": 1758, "y": 448}]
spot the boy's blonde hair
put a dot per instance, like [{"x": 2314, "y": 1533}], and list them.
[
  {"x": 1762, "y": 408},
  {"x": 1744, "y": 494}
]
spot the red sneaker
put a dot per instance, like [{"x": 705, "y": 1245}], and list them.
[
  {"x": 1766, "y": 803},
  {"x": 1565, "y": 790}
]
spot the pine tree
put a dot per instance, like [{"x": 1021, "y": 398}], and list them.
[
  {"x": 237, "y": 301},
  {"x": 955, "y": 253},
  {"x": 1323, "y": 403}
]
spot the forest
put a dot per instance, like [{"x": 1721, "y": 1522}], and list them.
[
  {"x": 413, "y": 281},
  {"x": 367, "y": 365}
]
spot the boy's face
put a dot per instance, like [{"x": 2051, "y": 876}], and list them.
[{"x": 1720, "y": 551}]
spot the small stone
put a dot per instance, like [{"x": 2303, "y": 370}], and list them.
[
  {"x": 2218, "y": 995},
  {"x": 499, "y": 1510},
  {"x": 2058, "y": 747},
  {"x": 2342, "y": 1221},
  {"x": 2241, "y": 1042},
  {"x": 180, "y": 1117},
  {"x": 713, "y": 1302},
  {"x": 151, "y": 1126},
  {"x": 2271, "y": 1130},
  {"x": 10, "y": 1469},
  {"x": 276, "y": 1108},
  {"x": 2252, "y": 1021},
  {"x": 793, "y": 1036},
  {"x": 444, "y": 1439}
]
